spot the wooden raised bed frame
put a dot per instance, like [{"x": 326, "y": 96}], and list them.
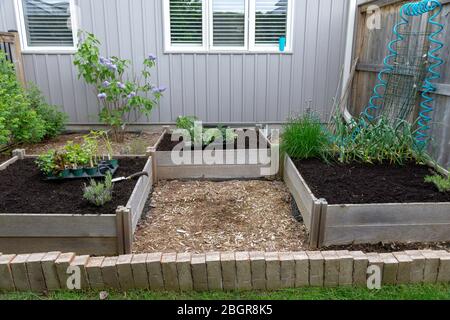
[
  {"x": 344, "y": 224},
  {"x": 109, "y": 234},
  {"x": 165, "y": 169}
]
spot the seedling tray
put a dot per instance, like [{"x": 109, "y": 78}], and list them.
[{"x": 71, "y": 176}]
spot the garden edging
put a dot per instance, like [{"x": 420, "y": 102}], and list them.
[{"x": 230, "y": 271}]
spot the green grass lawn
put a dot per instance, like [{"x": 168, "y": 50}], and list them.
[{"x": 410, "y": 292}]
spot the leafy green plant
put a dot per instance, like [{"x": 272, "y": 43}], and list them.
[
  {"x": 99, "y": 193},
  {"x": 76, "y": 155},
  {"x": 54, "y": 119},
  {"x": 207, "y": 136},
  {"x": 442, "y": 183},
  {"x": 46, "y": 162},
  {"x": 19, "y": 122},
  {"x": 118, "y": 96},
  {"x": 91, "y": 147},
  {"x": 377, "y": 142},
  {"x": 304, "y": 137}
]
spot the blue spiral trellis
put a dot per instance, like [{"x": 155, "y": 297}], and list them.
[{"x": 434, "y": 8}]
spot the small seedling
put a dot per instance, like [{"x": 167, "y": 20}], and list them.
[
  {"x": 442, "y": 183},
  {"x": 99, "y": 193}
]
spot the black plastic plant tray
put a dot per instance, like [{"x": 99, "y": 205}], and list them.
[{"x": 84, "y": 176}]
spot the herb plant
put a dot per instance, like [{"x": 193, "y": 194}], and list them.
[
  {"x": 99, "y": 193},
  {"x": 442, "y": 183},
  {"x": 377, "y": 142},
  {"x": 304, "y": 137},
  {"x": 46, "y": 162}
]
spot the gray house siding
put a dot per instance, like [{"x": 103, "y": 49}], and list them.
[{"x": 225, "y": 88}]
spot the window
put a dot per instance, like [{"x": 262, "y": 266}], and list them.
[
  {"x": 228, "y": 25},
  {"x": 47, "y": 25}
]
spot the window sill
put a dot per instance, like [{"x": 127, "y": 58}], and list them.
[
  {"x": 49, "y": 51},
  {"x": 225, "y": 52}
]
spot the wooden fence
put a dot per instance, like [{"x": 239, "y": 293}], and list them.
[
  {"x": 370, "y": 47},
  {"x": 10, "y": 45}
]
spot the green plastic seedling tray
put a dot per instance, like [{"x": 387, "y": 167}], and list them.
[{"x": 84, "y": 176}]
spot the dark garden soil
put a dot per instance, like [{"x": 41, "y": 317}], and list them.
[
  {"x": 360, "y": 183},
  {"x": 135, "y": 143},
  {"x": 22, "y": 190},
  {"x": 168, "y": 145}
]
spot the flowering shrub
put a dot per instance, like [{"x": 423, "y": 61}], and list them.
[{"x": 117, "y": 95}]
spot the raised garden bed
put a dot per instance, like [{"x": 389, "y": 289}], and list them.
[
  {"x": 38, "y": 215},
  {"x": 236, "y": 163},
  {"x": 367, "y": 204}
]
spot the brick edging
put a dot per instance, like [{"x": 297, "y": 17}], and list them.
[{"x": 225, "y": 271}]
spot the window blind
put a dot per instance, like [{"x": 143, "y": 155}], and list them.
[
  {"x": 47, "y": 23},
  {"x": 228, "y": 23},
  {"x": 186, "y": 22},
  {"x": 271, "y": 21}
]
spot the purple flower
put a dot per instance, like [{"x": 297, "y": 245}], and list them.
[
  {"x": 159, "y": 90},
  {"x": 152, "y": 57},
  {"x": 105, "y": 61},
  {"x": 102, "y": 96},
  {"x": 132, "y": 95},
  {"x": 106, "y": 84},
  {"x": 121, "y": 85},
  {"x": 112, "y": 66}
]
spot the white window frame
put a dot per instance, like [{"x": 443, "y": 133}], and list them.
[
  {"x": 20, "y": 16},
  {"x": 250, "y": 27},
  {"x": 211, "y": 28}
]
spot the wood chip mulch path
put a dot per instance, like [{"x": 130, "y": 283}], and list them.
[{"x": 203, "y": 216}]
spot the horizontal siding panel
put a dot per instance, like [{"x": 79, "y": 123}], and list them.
[{"x": 251, "y": 87}]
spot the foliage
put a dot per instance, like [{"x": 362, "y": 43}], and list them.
[
  {"x": 118, "y": 95},
  {"x": 54, "y": 120},
  {"x": 376, "y": 142},
  {"x": 304, "y": 138},
  {"x": 207, "y": 136},
  {"x": 19, "y": 122},
  {"x": 46, "y": 163},
  {"x": 99, "y": 193},
  {"x": 442, "y": 183},
  {"x": 76, "y": 155}
]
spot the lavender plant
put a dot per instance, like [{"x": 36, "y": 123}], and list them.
[{"x": 119, "y": 91}]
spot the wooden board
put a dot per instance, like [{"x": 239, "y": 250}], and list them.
[
  {"x": 374, "y": 223},
  {"x": 35, "y": 225},
  {"x": 140, "y": 194},
  {"x": 7, "y": 163},
  {"x": 303, "y": 196},
  {"x": 92, "y": 246}
]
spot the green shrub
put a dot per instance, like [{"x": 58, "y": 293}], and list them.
[
  {"x": 19, "y": 122},
  {"x": 46, "y": 163},
  {"x": 442, "y": 183},
  {"x": 304, "y": 137},
  {"x": 377, "y": 142},
  {"x": 54, "y": 119},
  {"x": 99, "y": 193}
]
